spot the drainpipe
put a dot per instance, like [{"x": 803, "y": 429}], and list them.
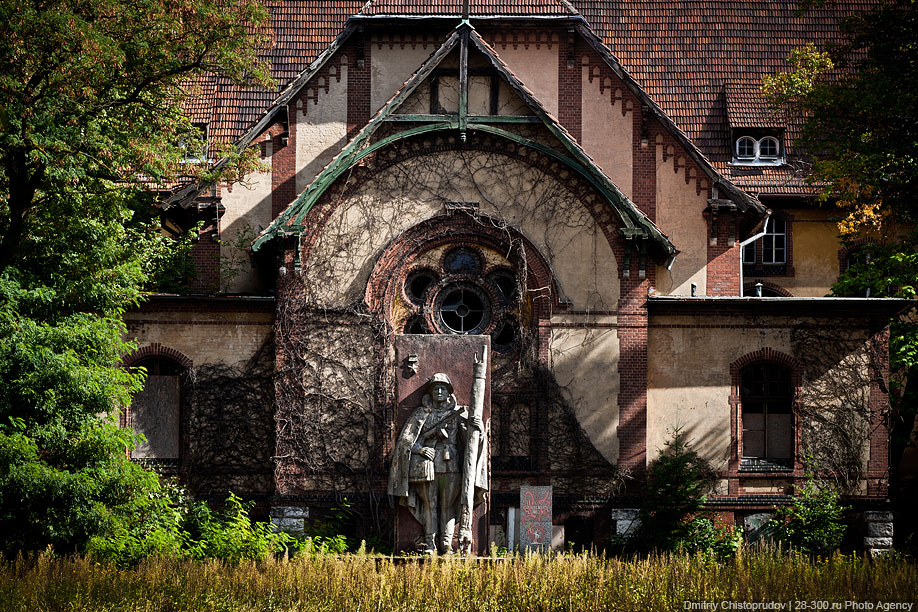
[{"x": 747, "y": 241}]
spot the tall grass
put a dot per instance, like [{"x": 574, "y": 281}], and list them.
[{"x": 364, "y": 583}]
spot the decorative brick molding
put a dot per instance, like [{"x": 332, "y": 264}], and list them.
[
  {"x": 156, "y": 350},
  {"x": 321, "y": 81},
  {"x": 749, "y": 288},
  {"x": 523, "y": 38}
]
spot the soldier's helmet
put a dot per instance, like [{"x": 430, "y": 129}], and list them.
[{"x": 442, "y": 378}]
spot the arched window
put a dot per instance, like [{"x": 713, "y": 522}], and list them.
[
  {"x": 766, "y": 396},
  {"x": 769, "y": 148},
  {"x": 745, "y": 147},
  {"x": 155, "y": 411}
]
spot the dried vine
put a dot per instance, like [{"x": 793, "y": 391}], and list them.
[
  {"x": 834, "y": 412},
  {"x": 231, "y": 425}
]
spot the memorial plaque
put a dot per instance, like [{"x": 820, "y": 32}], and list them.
[
  {"x": 535, "y": 519},
  {"x": 418, "y": 358}
]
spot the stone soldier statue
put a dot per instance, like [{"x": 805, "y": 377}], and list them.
[{"x": 427, "y": 465}]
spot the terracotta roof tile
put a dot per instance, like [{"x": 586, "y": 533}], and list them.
[
  {"x": 476, "y": 7},
  {"x": 701, "y": 61},
  {"x": 686, "y": 53}
]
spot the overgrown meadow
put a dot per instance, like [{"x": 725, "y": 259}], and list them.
[{"x": 363, "y": 582}]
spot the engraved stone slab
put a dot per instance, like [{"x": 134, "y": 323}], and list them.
[{"x": 535, "y": 519}]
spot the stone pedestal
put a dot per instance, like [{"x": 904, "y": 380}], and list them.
[
  {"x": 878, "y": 538},
  {"x": 418, "y": 357}
]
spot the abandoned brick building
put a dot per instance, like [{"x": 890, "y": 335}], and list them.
[{"x": 598, "y": 186}]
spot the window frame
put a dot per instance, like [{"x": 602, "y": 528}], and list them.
[
  {"x": 757, "y": 158},
  {"x": 771, "y": 404},
  {"x": 737, "y": 468},
  {"x": 757, "y": 250}
]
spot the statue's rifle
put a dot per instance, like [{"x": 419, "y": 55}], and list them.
[
  {"x": 428, "y": 429},
  {"x": 469, "y": 472}
]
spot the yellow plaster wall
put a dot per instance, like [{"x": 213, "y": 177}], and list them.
[
  {"x": 537, "y": 68},
  {"x": 679, "y": 216},
  {"x": 585, "y": 363},
  {"x": 688, "y": 380},
  {"x": 248, "y": 210},
  {"x": 815, "y": 248},
  {"x": 607, "y": 135},
  {"x": 220, "y": 337},
  {"x": 392, "y": 65},
  {"x": 321, "y": 124}
]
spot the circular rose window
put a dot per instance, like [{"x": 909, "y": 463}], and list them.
[
  {"x": 462, "y": 291},
  {"x": 462, "y": 309}
]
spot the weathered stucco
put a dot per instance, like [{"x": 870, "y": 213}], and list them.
[
  {"x": 248, "y": 211},
  {"x": 585, "y": 363},
  {"x": 321, "y": 125},
  {"x": 203, "y": 337},
  {"x": 691, "y": 392},
  {"x": 607, "y": 133},
  {"x": 815, "y": 251},
  {"x": 524, "y": 197},
  {"x": 392, "y": 63},
  {"x": 537, "y": 68},
  {"x": 679, "y": 216}
]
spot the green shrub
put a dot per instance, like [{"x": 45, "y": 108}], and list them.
[
  {"x": 672, "y": 517},
  {"x": 231, "y": 535},
  {"x": 813, "y": 522}
]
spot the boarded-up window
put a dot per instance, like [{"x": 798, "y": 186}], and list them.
[
  {"x": 155, "y": 411},
  {"x": 767, "y": 415}
]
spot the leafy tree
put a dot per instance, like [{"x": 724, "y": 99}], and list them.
[
  {"x": 812, "y": 523},
  {"x": 858, "y": 107},
  {"x": 91, "y": 110}
]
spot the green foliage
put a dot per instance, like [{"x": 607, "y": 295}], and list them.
[
  {"x": 91, "y": 111},
  {"x": 812, "y": 523},
  {"x": 863, "y": 118},
  {"x": 230, "y": 534},
  {"x": 672, "y": 517}
]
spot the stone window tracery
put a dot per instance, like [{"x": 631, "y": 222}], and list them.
[{"x": 466, "y": 291}]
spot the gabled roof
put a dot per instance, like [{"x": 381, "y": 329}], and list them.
[
  {"x": 634, "y": 222},
  {"x": 684, "y": 54}
]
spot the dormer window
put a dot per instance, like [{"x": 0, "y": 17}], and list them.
[
  {"x": 765, "y": 150},
  {"x": 768, "y": 148},
  {"x": 745, "y": 148}
]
